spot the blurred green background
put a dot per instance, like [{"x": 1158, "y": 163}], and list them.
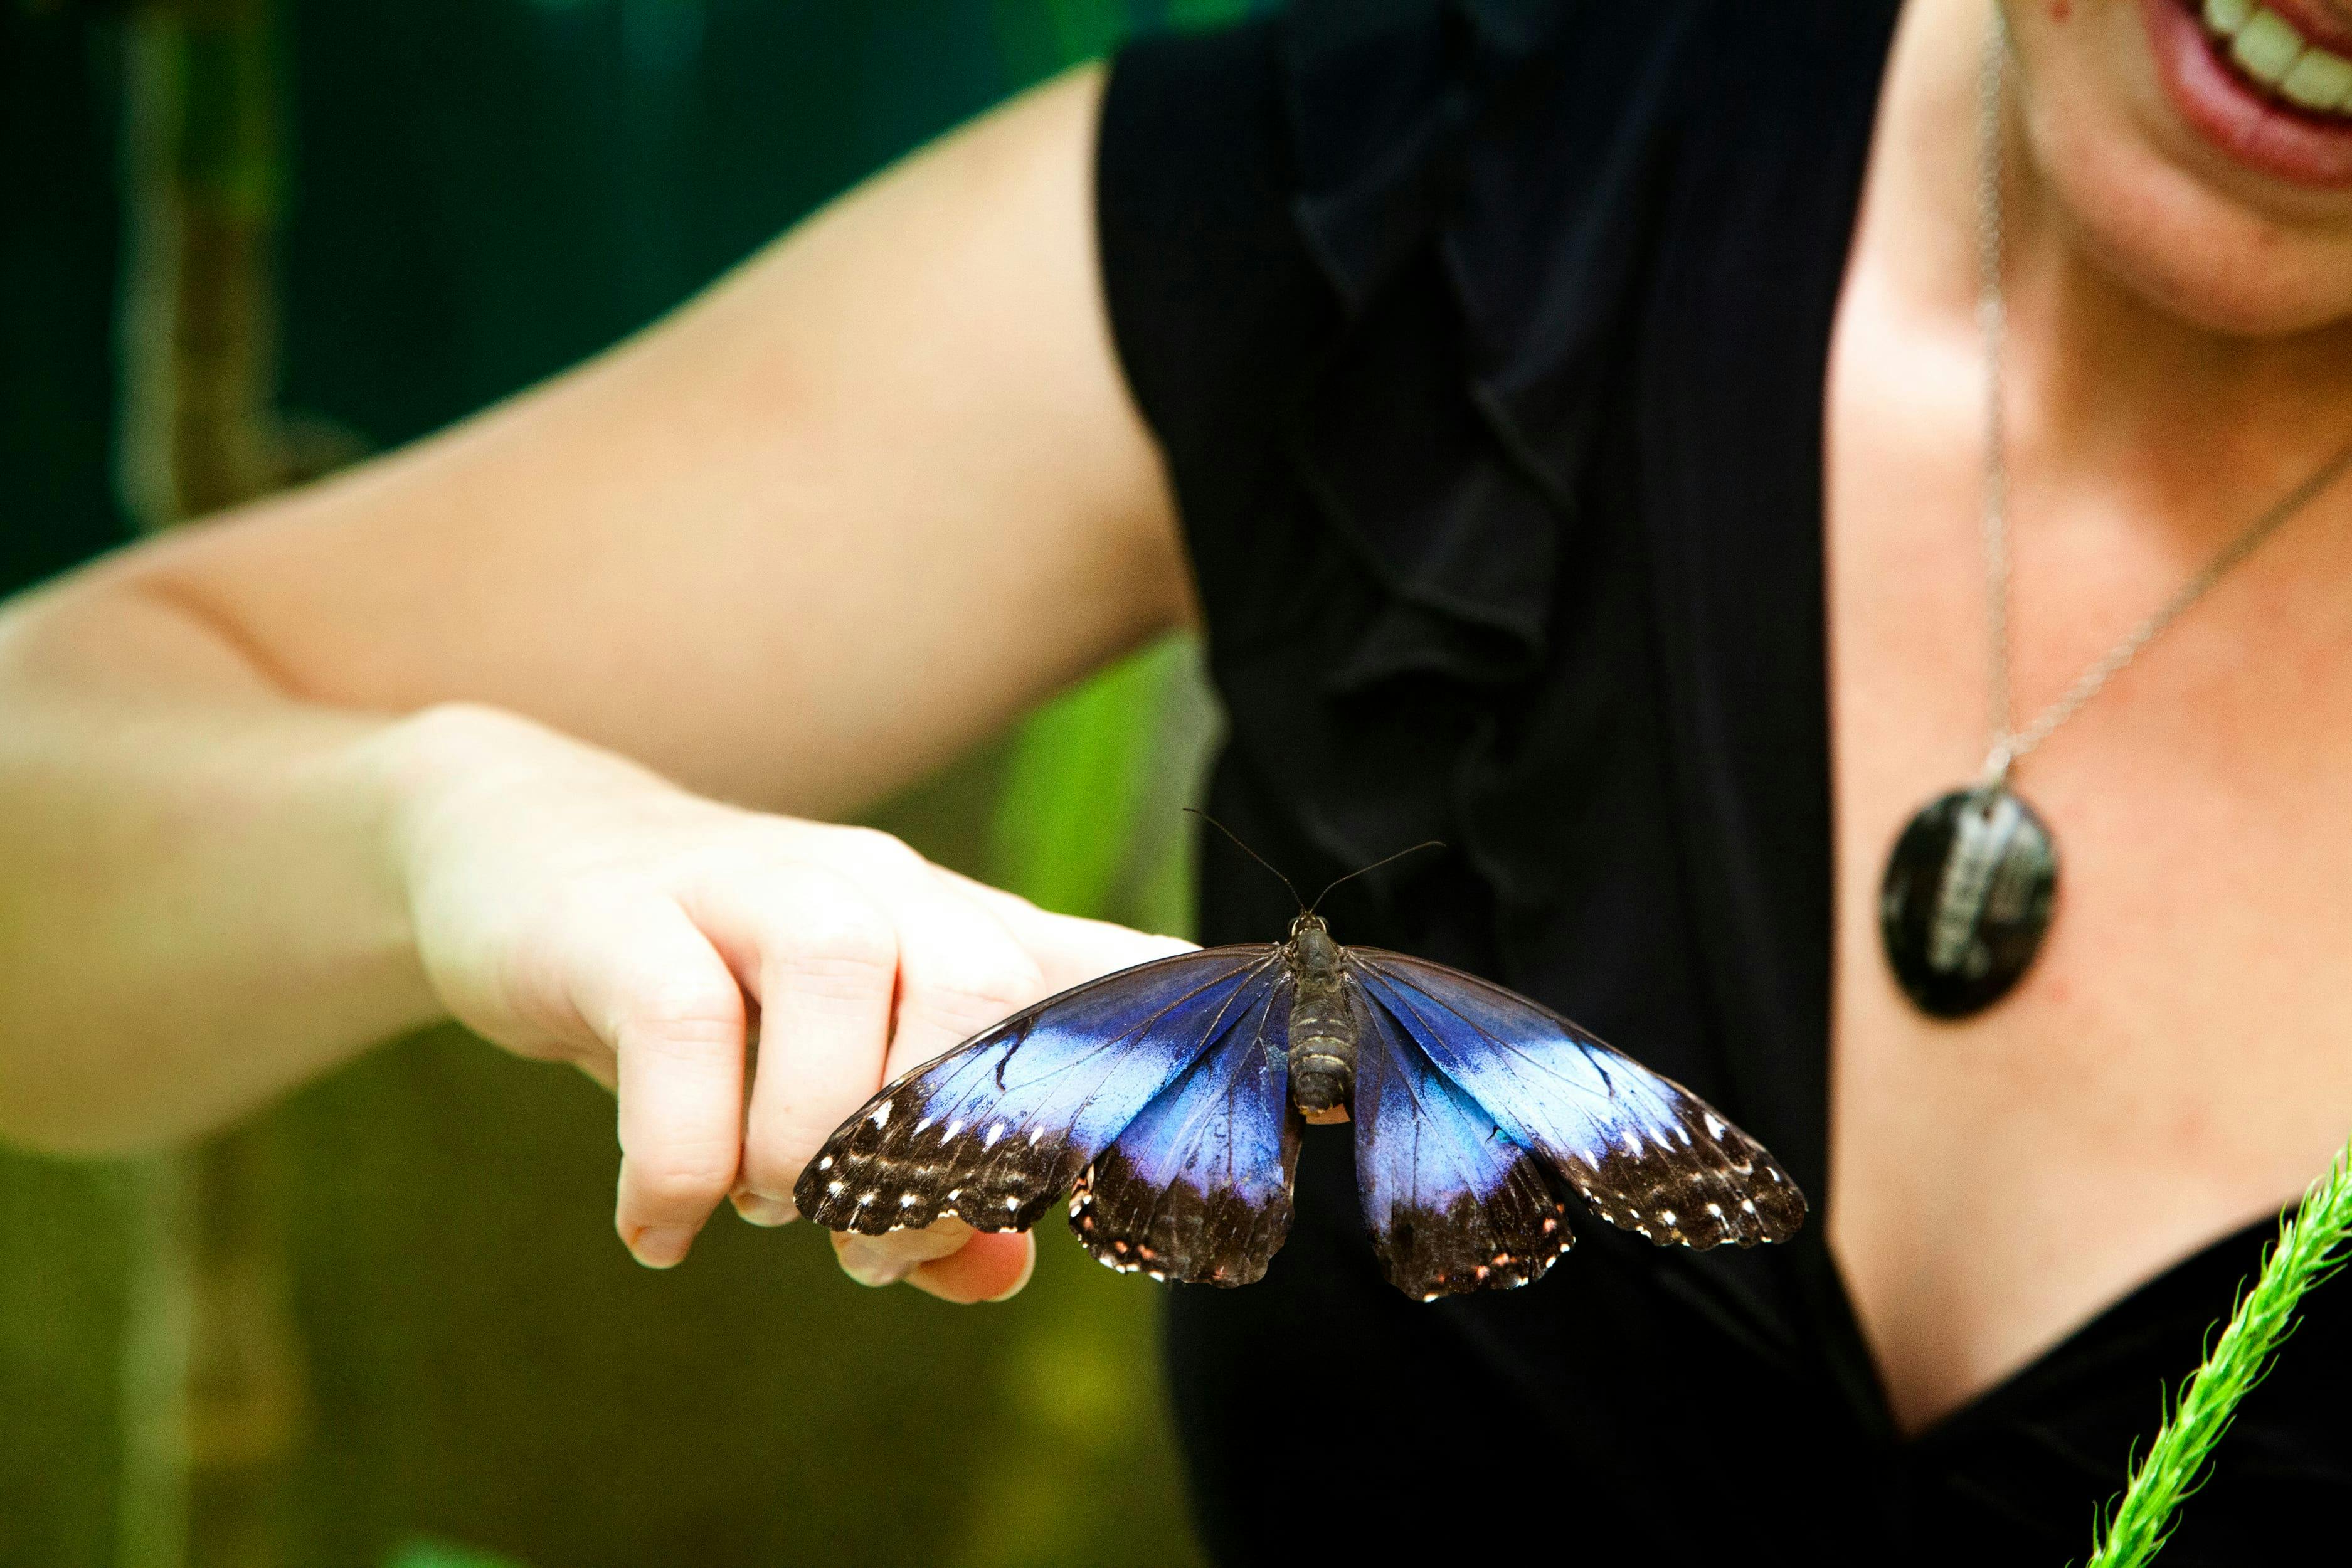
[{"x": 388, "y": 1323}]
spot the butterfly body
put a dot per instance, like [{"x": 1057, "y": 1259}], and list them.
[
  {"x": 1167, "y": 1102},
  {"x": 1322, "y": 1028}
]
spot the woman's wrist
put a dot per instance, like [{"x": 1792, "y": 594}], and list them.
[{"x": 203, "y": 912}]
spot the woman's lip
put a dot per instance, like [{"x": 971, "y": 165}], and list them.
[{"x": 2228, "y": 113}]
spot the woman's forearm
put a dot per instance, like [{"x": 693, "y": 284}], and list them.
[
  {"x": 859, "y": 505},
  {"x": 200, "y": 904},
  {"x": 211, "y": 891}
]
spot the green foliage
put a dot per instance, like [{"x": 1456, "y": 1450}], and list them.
[
  {"x": 425, "y": 1554},
  {"x": 2309, "y": 1248},
  {"x": 1205, "y": 13},
  {"x": 1082, "y": 778},
  {"x": 1040, "y": 37}
]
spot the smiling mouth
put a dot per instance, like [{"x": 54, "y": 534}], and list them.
[
  {"x": 2269, "y": 87},
  {"x": 2270, "y": 55}
]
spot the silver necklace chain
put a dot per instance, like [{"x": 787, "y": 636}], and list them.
[{"x": 1992, "y": 321}]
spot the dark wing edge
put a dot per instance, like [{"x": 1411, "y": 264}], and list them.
[
  {"x": 996, "y": 1130},
  {"x": 1642, "y": 1152},
  {"x": 1197, "y": 1188},
  {"x": 1453, "y": 1205}
]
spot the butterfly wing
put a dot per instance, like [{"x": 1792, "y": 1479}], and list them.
[
  {"x": 1453, "y": 1205},
  {"x": 1198, "y": 1186},
  {"x": 1646, "y": 1153},
  {"x": 996, "y": 1130}
]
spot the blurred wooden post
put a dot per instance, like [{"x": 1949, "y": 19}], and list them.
[
  {"x": 212, "y": 1384},
  {"x": 198, "y": 333}
]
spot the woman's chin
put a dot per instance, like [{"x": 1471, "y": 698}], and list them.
[{"x": 2195, "y": 190}]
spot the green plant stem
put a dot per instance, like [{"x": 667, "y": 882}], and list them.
[{"x": 2310, "y": 1247}]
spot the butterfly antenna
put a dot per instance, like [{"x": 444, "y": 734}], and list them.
[
  {"x": 1245, "y": 849},
  {"x": 1424, "y": 844}
]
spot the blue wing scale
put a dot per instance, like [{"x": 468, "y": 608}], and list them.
[
  {"x": 1198, "y": 1187},
  {"x": 996, "y": 1130},
  {"x": 1453, "y": 1205},
  {"x": 1642, "y": 1152}
]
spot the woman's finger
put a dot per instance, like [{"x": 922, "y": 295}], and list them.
[
  {"x": 950, "y": 1260},
  {"x": 960, "y": 970},
  {"x": 959, "y": 973},
  {"x": 1067, "y": 949},
  {"x": 1061, "y": 951},
  {"x": 866, "y": 968},
  {"x": 992, "y": 1267},
  {"x": 822, "y": 959},
  {"x": 674, "y": 1015}
]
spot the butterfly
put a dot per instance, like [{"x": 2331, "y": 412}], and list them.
[{"x": 1167, "y": 1102}]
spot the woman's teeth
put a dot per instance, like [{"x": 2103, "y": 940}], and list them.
[{"x": 2266, "y": 47}]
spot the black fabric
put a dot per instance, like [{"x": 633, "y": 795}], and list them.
[{"x": 1485, "y": 344}]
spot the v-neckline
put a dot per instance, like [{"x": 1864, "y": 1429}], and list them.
[{"x": 1757, "y": 806}]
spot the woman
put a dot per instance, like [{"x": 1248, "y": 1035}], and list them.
[{"x": 1531, "y": 404}]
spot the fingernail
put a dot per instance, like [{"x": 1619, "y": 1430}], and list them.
[
  {"x": 1027, "y": 1268},
  {"x": 870, "y": 1262},
  {"x": 764, "y": 1211},
  {"x": 662, "y": 1246}
]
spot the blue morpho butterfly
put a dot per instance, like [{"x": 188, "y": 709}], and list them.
[{"x": 1167, "y": 1101}]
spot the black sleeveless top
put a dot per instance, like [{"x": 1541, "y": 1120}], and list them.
[{"x": 1485, "y": 343}]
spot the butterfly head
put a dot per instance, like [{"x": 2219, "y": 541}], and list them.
[{"x": 1311, "y": 947}]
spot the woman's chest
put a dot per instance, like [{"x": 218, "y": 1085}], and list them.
[{"x": 2178, "y": 1059}]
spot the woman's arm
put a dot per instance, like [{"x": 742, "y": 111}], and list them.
[{"x": 353, "y": 759}]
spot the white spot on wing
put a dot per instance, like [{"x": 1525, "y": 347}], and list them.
[
  {"x": 881, "y": 1117},
  {"x": 995, "y": 1131}
]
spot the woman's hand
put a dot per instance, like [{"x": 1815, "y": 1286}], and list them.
[
  {"x": 875, "y": 494},
  {"x": 571, "y": 906}
]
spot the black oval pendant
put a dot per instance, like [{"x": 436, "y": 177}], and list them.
[{"x": 1969, "y": 893}]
